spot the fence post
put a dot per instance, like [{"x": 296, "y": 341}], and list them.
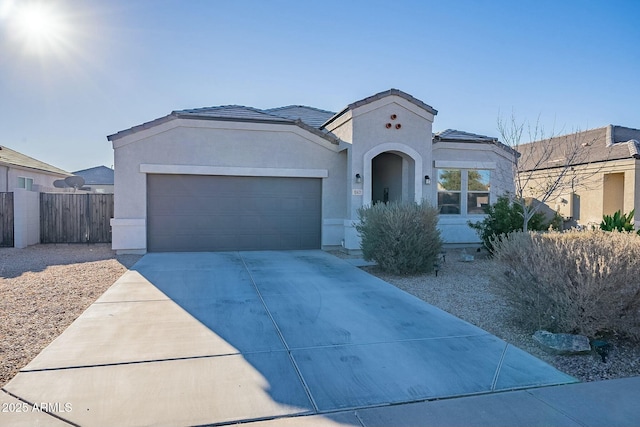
[
  {"x": 26, "y": 217},
  {"x": 87, "y": 226}
]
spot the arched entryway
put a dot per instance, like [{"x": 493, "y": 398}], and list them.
[
  {"x": 395, "y": 167},
  {"x": 392, "y": 177},
  {"x": 386, "y": 178}
]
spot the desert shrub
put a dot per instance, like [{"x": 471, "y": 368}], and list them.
[
  {"x": 401, "y": 237},
  {"x": 503, "y": 217},
  {"x": 575, "y": 282},
  {"x": 618, "y": 222}
]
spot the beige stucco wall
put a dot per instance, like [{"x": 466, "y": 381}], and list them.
[
  {"x": 247, "y": 147},
  {"x": 588, "y": 190},
  {"x": 612, "y": 192}
]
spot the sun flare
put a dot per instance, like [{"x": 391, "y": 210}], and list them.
[{"x": 38, "y": 26}]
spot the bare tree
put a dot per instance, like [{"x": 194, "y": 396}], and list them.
[{"x": 544, "y": 168}]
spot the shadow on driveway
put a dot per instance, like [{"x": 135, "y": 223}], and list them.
[{"x": 351, "y": 340}]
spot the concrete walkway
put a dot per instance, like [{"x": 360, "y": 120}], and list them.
[{"x": 289, "y": 338}]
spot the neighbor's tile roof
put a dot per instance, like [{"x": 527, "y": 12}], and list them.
[
  {"x": 596, "y": 145},
  {"x": 314, "y": 117},
  {"x": 99, "y": 175},
  {"x": 13, "y": 158}
]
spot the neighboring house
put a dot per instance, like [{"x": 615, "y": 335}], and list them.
[
  {"x": 20, "y": 171},
  {"x": 603, "y": 176},
  {"x": 241, "y": 178},
  {"x": 98, "y": 179}
]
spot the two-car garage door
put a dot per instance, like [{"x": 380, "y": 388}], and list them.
[{"x": 223, "y": 213}]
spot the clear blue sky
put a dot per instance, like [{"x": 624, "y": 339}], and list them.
[{"x": 109, "y": 65}]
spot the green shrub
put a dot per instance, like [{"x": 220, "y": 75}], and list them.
[
  {"x": 618, "y": 222},
  {"x": 401, "y": 237},
  {"x": 503, "y": 217},
  {"x": 575, "y": 282}
]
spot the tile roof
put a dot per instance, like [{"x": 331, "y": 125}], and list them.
[
  {"x": 308, "y": 118},
  {"x": 381, "y": 95},
  {"x": 453, "y": 135},
  {"x": 99, "y": 175},
  {"x": 313, "y": 117},
  {"x": 232, "y": 112},
  {"x": 601, "y": 144},
  {"x": 301, "y": 116},
  {"x": 13, "y": 158},
  {"x": 395, "y": 92}
]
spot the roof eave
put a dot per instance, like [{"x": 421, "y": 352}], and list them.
[
  {"x": 192, "y": 116},
  {"x": 143, "y": 126},
  {"x": 391, "y": 92},
  {"x": 328, "y": 136},
  {"x": 50, "y": 172},
  {"x": 378, "y": 96}
]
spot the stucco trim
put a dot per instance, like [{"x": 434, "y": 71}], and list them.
[
  {"x": 333, "y": 221},
  {"x": 128, "y": 222},
  {"x": 232, "y": 171},
  {"x": 460, "y": 164},
  {"x": 397, "y": 147}
]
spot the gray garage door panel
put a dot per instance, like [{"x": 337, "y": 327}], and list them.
[{"x": 221, "y": 213}]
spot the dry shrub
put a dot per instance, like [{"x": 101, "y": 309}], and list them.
[
  {"x": 583, "y": 282},
  {"x": 401, "y": 237}
]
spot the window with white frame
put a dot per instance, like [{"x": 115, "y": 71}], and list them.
[
  {"x": 463, "y": 191},
  {"x": 478, "y": 191},
  {"x": 26, "y": 183},
  {"x": 449, "y": 191}
]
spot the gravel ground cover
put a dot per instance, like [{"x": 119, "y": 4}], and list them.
[
  {"x": 464, "y": 289},
  {"x": 43, "y": 289}
]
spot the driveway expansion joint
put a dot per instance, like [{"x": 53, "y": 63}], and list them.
[
  {"x": 499, "y": 367},
  {"x": 305, "y": 386}
]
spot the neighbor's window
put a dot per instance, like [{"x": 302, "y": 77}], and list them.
[
  {"x": 449, "y": 191},
  {"x": 463, "y": 191},
  {"x": 478, "y": 187},
  {"x": 26, "y": 183}
]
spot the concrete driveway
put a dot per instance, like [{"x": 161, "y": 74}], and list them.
[{"x": 208, "y": 338}]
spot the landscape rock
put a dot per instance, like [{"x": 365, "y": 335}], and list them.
[{"x": 562, "y": 343}]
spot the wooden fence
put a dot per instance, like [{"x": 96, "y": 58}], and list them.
[
  {"x": 6, "y": 220},
  {"x": 75, "y": 218}
]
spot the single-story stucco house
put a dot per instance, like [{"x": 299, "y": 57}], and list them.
[
  {"x": 98, "y": 179},
  {"x": 602, "y": 173},
  {"x": 19, "y": 171},
  {"x": 241, "y": 178}
]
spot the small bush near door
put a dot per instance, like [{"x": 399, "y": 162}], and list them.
[
  {"x": 583, "y": 282},
  {"x": 401, "y": 237}
]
